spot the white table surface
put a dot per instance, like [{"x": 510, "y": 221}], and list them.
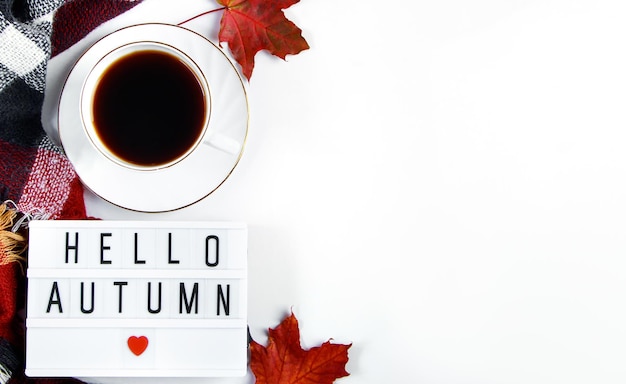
[{"x": 440, "y": 183}]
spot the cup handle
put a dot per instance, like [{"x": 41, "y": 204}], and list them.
[{"x": 223, "y": 143}]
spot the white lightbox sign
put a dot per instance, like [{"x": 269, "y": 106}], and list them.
[{"x": 136, "y": 299}]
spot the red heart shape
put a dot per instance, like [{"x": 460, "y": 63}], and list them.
[{"x": 137, "y": 345}]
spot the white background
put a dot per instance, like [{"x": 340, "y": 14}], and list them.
[{"x": 440, "y": 183}]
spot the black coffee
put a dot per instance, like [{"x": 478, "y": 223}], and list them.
[{"x": 148, "y": 108}]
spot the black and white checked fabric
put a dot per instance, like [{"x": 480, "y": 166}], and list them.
[{"x": 25, "y": 29}]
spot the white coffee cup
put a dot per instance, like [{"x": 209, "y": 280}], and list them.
[{"x": 147, "y": 106}]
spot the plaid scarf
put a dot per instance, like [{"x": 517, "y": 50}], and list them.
[{"x": 35, "y": 175}]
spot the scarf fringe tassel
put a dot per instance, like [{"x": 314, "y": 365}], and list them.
[{"x": 13, "y": 241}]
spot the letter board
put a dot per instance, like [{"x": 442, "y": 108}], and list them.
[{"x": 136, "y": 299}]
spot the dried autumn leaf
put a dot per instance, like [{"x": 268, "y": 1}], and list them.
[
  {"x": 284, "y": 361},
  {"x": 249, "y": 26}
]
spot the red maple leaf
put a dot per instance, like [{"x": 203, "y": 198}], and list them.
[
  {"x": 284, "y": 361},
  {"x": 249, "y": 26}
]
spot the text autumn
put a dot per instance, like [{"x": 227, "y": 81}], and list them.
[{"x": 188, "y": 297}]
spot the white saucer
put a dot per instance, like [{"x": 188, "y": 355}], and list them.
[{"x": 189, "y": 180}]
